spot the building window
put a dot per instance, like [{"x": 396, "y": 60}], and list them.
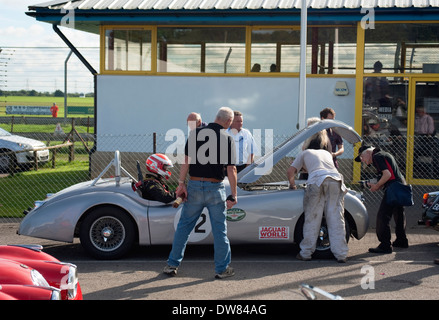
[
  {"x": 330, "y": 50},
  {"x": 333, "y": 50},
  {"x": 201, "y": 50},
  {"x": 402, "y": 48},
  {"x": 127, "y": 50},
  {"x": 275, "y": 50},
  {"x": 222, "y": 50}
]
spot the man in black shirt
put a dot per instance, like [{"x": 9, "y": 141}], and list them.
[
  {"x": 389, "y": 172},
  {"x": 209, "y": 155}
]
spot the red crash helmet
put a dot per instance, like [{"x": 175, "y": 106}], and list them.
[{"x": 159, "y": 163}]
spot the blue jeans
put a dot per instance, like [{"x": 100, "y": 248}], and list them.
[{"x": 212, "y": 196}]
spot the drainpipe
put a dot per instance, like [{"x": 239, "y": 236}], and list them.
[
  {"x": 75, "y": 51},
  {"x": 65, "y": 84},
  {"x": 93, "y": 72}
]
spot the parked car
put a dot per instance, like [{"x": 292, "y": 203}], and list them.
[
  {"x": 28, "y": 273},
  {"x": 19, "y": 151},
  {"x": 430, "y": 214},
  {"x": 109, "y": 217}
]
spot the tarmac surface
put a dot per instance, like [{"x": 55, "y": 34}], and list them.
[{"x": 263, "y": 272}]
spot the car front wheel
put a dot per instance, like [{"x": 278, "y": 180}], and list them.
[
  {"x": 323, "y": 245},
  {"x": 7, "y": 161},
  {"x": 107, "y": 233}
]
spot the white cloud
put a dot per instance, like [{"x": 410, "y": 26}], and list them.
[
  {"x": 36, "y": 30},
  {"x": 19, "y": 4},
  {"x": 41, "y": 69},
  {"x": 16, "y": 33}
]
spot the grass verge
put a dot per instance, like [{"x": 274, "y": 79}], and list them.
[{"x": 27, "y": 187}]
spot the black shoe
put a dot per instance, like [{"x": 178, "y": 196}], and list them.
[
  {"x": 401, "y": 243},
  {"x": 380, "y": 250}
]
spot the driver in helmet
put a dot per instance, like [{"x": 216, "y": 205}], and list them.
[{"x": 154, "y": 186}]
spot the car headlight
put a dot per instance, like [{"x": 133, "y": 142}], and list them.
[
  {"x": 38, "y": 279},
  {"x": 56, "y": 294},
  {"x": 72, "y": 282},
  {"x": 25, "y": 146},
  {"x": 38, "y": 203}
]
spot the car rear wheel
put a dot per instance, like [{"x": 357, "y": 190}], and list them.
[
  {"x": 323, "y": 245},
  {"x": 107, "y": 233}
]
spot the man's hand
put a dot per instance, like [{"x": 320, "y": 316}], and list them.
[
  {"x": 231, "y": 201},
  {"x": 181, "y": 191},
  {"x": 384, "y": 178}
]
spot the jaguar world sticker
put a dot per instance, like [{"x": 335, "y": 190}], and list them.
[
  {"x": 277, "y": 233},
  {"x": 235, "y": 214}
]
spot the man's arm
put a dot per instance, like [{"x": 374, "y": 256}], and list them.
[
  {"x": 231, "y": 174},
  {"x": 154, "y": 190},
  {"x": 384, "y": 178},
  {"x": 339, "y": 151},
  {"x": 430, "y": 129},
  {"x": 184, "y": 169},
  {"x": 291, "y": 172}
]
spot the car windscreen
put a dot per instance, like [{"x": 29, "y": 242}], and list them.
[{"x": 4, "y": 132}]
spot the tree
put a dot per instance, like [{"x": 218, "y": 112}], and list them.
[{"x": 59, "y": 93}]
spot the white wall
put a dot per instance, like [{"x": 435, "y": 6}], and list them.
[{"x": 139, "y": 105}]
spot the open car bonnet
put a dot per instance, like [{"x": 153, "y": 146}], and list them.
[{"x": 264, "y": 164}]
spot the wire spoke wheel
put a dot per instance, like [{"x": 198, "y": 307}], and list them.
[
  {"x": 323, "y": 238},
  {"x": 107, "y": 233},
  {"x": 323, "y": 245}
]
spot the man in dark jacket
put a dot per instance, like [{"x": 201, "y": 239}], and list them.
[{"x": 388, "y": 172}]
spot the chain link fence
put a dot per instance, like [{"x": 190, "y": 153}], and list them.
[{"x": 72, "y": 154}]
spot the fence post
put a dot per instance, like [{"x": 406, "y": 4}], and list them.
[
  {"x": 154, "y": 142},
  {"x": 35, "y": 161},
  {"x": 72, "y": 147},
  {"x": 53, "y": 158}
]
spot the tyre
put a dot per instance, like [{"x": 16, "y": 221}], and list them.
[
  {"x": 107, "y": 233},
  {"x": 323, "y": 246},
  {"x": 7, "y": 161}
]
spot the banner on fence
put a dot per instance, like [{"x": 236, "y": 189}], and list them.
[
  {"x": 32, "y": 110},
  {"x": 80, "y": 110}
]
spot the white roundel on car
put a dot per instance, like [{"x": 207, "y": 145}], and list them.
[{"x": 202, "y": 228}]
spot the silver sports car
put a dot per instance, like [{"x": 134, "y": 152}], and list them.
[{"x": 109, "y": 217}]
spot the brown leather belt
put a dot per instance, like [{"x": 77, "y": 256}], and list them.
[{"x": 205, "y": 179}]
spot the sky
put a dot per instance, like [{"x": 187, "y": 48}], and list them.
[{"x": 21, "y": 37}]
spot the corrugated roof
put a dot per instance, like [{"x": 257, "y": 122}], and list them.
[{"x": 229, "y": 4}]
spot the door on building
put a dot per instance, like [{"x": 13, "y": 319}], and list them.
[
  {"x": 423, "y": 144},
  {"x": 401, "y": 116}
]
